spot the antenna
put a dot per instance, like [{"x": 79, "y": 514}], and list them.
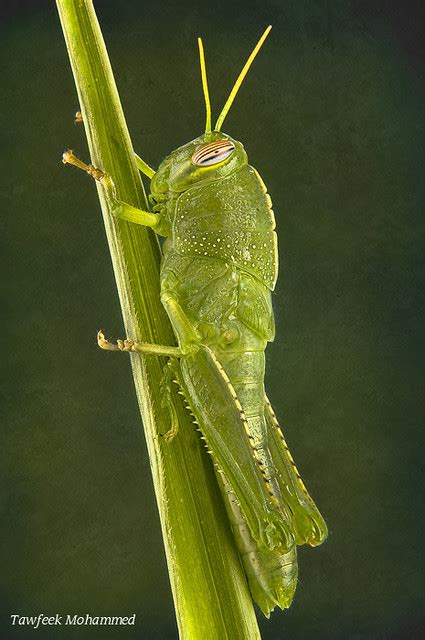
[
  {"x": 240, "y": 79},
  {"x": 205, "y": 87}
]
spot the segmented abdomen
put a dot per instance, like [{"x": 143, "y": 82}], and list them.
[{"x": 272, "y": 577}]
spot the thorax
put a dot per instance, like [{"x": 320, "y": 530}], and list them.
[{"x": 229, "y": 219}]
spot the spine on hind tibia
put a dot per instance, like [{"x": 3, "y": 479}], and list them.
[{"x": 246, "y": 373}]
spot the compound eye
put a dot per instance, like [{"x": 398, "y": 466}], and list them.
[{"x": 213, "y": 153}]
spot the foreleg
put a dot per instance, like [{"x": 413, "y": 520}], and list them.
[{"x": 120, "y": 209}]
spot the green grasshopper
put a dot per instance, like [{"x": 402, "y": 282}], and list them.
[{"x": 218, "y": 271}]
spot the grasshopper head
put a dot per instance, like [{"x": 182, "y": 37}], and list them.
[{"x": 198, "y": 161}]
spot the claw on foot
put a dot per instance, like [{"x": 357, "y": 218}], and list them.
[
  {"x": 171, "y": 433},
  {"x": 69, "y": 157},
  {"x": 121, "y": 345}
]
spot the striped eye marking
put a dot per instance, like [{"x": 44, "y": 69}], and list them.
[{"x": 213, "y": 153}]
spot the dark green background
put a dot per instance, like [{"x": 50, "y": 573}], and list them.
[{"x": 332, "y": 117}]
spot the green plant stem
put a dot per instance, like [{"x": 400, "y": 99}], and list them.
[{"x": 209, "y": 589}]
